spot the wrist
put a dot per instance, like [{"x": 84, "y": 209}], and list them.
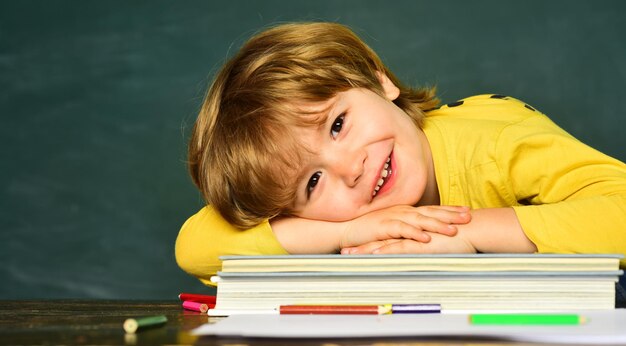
[{"x": 496, "y": 230}]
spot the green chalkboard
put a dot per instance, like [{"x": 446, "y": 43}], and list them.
[{"x": 97, "y": 99}]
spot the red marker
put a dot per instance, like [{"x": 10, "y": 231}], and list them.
[
  {"x": 359, "y": 309},
  {"x": 200, "y": 298},
  {"x": 329, "y": 310},
  {"x": 195, "y": 306}
]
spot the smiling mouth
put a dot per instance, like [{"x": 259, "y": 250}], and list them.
[{"x": 385, "y": 173}]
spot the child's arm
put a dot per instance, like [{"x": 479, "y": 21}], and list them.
[
  {"x": 206, "y": 235},
  {"x": 299, "y": 235},
  {"x": 490, "y": 230}
]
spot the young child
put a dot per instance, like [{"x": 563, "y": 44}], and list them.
[{"x": 307, "y": 143}]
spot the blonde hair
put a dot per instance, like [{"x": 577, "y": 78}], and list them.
[{"x": 243, "y": 138}]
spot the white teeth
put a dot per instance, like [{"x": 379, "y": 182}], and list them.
[{"x": 384, "y": 173}]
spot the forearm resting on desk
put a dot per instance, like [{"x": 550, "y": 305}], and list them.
[
  {"x": 490, "y": 230},
  {"x": 298, "y": 235}
]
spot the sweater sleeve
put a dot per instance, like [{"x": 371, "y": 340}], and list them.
[
  {"x": 206, "y": 235},
  {"x": 572, "y": 197}
]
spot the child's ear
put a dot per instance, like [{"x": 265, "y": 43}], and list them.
[{"x": 391, "y": 90}]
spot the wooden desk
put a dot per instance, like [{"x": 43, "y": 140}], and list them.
[
  {"x": 99, "y": 322},
  {"x": 93, "y": 322}
]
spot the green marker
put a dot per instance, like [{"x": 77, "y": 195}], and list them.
[
  {"x": 526, "y": 319},
  {"x": 131, "y": 325}
]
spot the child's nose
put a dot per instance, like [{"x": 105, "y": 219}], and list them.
[{"x": 350, "y": 167}]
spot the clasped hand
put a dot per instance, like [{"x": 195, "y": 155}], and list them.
[{"x": 407, "y": 229}]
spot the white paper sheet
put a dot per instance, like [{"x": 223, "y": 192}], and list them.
[{"x": 603, "y": 327}]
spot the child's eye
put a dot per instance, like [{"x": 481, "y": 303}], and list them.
[
  {"x": 315, "y": 178},
  {"x": 337, "y": 125}
]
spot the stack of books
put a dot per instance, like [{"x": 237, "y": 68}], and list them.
[{"x": 458, "y": 282}]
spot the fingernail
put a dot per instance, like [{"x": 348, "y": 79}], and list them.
[{"x": 376, "y": 251}]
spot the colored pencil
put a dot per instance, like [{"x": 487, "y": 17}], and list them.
[
  {"x": 195, "y": 306},
  {"x": 359, "y": 309},
  {"x": 526, "y": 319},
  {"x": 132, "y": 325},
  {"x": 330, "y": 309},
  {"x": 200, "y": 298},
  {"x": 415, "y": 308}
]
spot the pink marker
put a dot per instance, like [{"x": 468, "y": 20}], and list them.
[{"x": 195, "y": 306}]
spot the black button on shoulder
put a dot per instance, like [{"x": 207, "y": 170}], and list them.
[
  {"x": 529, "y": 107},
  {"x": 496, "y": 96},
  {"x": 455, "y": 104}
]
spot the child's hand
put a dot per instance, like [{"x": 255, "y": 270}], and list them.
[
  {"x": 438, "y": 244},
  {"x": 403, "y": 222}
]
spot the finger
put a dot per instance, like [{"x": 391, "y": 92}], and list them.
[
  {"x": 447, "y": 214},
  {"x": 413, "y": 229},
  {"x": 455, "y": 208},
  {"x": 403, "y": 246},
  {"x": 367, "y": 248},
  {"x": 434, "y": 218},
  {"x": 414, "y": 226}
]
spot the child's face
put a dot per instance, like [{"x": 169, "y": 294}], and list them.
[{"x": 368, "y": 155}]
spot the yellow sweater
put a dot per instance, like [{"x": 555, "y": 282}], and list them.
[{"x": 489, "y": 151}]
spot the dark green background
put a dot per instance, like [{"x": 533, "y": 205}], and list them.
[{"x": 97, "y": 99}]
